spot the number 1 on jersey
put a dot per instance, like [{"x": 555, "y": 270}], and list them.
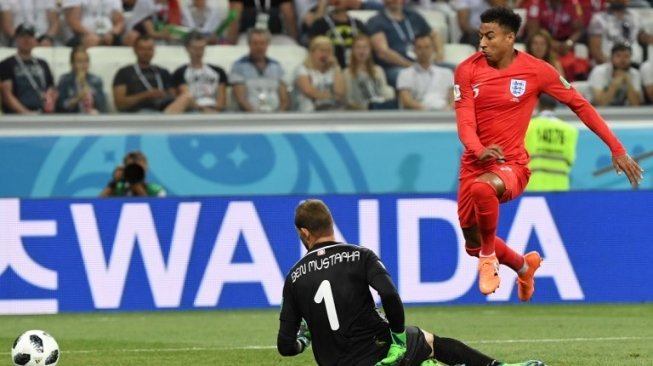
[{"x": 324, "y": 293}]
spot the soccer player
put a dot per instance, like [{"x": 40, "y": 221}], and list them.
[
  {"x": 329, "y": 289},
  {"x": 495, "y": 93}
]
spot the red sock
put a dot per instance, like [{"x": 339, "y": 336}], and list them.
[
  {"x": 486, "y": 205},
  {"x": 472, "y": 251},
  {"x": 507, "y": 256}
]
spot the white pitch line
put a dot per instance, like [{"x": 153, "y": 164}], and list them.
[{"x": 491, "y": 341}]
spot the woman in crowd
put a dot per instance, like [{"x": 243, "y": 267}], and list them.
[
  {"x": 319, "y": 82},
  {"x": 539, "y": 44},
  {"x": 367, "y": 87},
  {"x": 79, "y": 90}
]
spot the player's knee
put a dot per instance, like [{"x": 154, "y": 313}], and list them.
[
  {"x": 472, "y": 251},
  {"x": 481, "y": 191}
]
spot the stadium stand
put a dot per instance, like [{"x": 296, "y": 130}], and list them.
[{"x": 105, "y": 61}]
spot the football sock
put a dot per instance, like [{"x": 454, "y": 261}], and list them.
[
  {"x": 454, "y": 352},
  {"x": 486, "y": 205},
  {"x": 472, "y": 251},
  {"x": 509, "y": 257}
]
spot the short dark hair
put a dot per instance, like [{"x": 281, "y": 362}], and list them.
[
  {"x": 422, "y": 35},
  {"x": 193, "y": 36},
  {"x": 618, "y": 47},
  {"x": 142, "y": 38},
  {"x": 503, "y": 16},
  {"x": 314, "y": 215},
  {"x": 134, "y": 155}
]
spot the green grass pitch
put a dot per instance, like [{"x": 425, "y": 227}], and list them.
[{"x": 558, "y": 334}]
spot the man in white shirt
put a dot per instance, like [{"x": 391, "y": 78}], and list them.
[
  {"x": 42, "y": 14},
  {"x": 425, "y": 86},
  {"x": 616, "y": 83},
  {"x": 94, "y": 22}
]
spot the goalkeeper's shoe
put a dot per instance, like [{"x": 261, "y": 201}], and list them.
[
  {"x": 525, "y": 363},
  {"x": 526, "y": 280},
  {"x": 488, "y": 274}
]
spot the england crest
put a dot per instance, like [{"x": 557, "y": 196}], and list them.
[{"x": 517, "y": 87}]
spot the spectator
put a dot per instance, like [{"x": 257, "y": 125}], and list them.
[
  {"x": 393, "y": 32},
  {"x": 425, "y": 86},
  {"x": 616, "y": 83},
  {"x": 539, "y": 44},
  {"x": 94, "y": 22},
  {"x": 551, "y": 143},
  {"x": 205, "y": 82},
  {"x": 79, "y": 90},
  {"x": 468, "y": 13},
  {"x": 340, "y": 28},
  {"x": 202, "y": 17},
  {"x": 319, "y": 81},
  {"x": 41, "y": 14},
  {"x": 258, "y": 80},
  {"x": 277, "y": 16},
  {"x": 154, "y": 18},
  {"x": 129, "y": 179},
  {"x": 563, "y": 20},
  {"x": 617, "y": 24},
  {"x": 146, "y": 87},
  {"x": 26, "y": 85},
  {"x": 365, "y": 81},
  {"x": 308, "y": 11}
]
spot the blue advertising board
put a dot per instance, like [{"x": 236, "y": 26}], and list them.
[
  {"x": 70, "y": 255},
  {"x": 273, "y": 163}
]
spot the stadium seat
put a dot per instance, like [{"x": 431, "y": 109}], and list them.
[
  {"x": 584, "y": 88},
  {"x": 520, "y": 46},
  {"x": 362, "y": 15},
  {"x": 438, "y": 21},
  {"x": 454, "y": 53},
  {"x": 581, "y": 51}
]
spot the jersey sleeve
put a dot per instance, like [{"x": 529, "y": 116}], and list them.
[
  {"x": 556, "y": 86},
  {"x": 465, "y": 110}
]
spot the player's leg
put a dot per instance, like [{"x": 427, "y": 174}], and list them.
[
  {"x": 467, "y": 215},
  {"x": 453, "y": 352},
  {"x": 515, "y": 178},
  {"x": 485, "y": 191}
]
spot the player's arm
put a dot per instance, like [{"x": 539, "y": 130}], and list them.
[
  {"x": 556, "y": 86},
  {"x": 379, "y": 279},
  {"x": 289, "y": 342},
  {"x": 466, "y": 111}
]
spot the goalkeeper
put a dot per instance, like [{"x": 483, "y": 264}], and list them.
[{"x": 329, "y": 289}]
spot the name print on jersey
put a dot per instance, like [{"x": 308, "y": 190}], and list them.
[{"x": 325, "y": 263}]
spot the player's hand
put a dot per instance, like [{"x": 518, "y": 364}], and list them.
[
  {"x": 625, "y": 164},
  {"x": 397, "y": 350},
  {"x": 493, "y": 152},
  {"x": 304, "y": 335}
]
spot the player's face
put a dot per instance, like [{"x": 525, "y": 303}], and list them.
[{"x": 496, "y": 42}]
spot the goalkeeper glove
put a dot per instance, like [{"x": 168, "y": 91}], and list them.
[
  {"x": 304, "y": 336},
  {"x": 397, "y": 350}
]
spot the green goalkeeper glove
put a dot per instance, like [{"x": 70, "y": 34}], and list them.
[
  {"x": 397, "y": 350},
  {"x": 304, "y": 335}
]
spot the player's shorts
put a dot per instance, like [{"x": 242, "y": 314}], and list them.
[
  {"x": 417, "y": 349},
  {"x": 514, "y": 177}
]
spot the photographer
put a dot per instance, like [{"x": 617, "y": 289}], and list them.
[{"x": 129, "y": 179}]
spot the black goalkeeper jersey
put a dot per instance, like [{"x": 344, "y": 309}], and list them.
[{"x": 329, "y": 288}]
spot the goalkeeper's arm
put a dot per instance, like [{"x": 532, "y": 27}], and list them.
[
  {"x": 289, "y": 342},
  {"x": 392, "y": 305}
]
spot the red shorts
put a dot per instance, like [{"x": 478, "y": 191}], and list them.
[{"x": 514, "y": 177}]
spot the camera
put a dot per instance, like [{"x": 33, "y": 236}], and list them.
[{"x": 133, "y": 173}]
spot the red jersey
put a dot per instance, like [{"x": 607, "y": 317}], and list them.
[{"x": 495, "y": 106}]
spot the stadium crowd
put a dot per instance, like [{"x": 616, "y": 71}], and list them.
[{"x": 355, "y": 54}]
